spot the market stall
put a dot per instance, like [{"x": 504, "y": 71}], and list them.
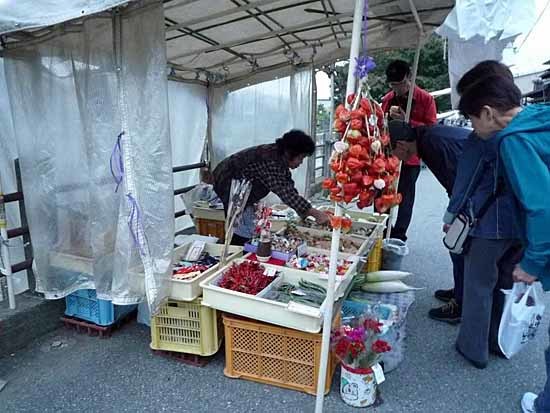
[{"x": 106, "y": 75}]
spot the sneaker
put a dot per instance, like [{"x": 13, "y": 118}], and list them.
[
  {"x": 528, "y": 402},
  {"x": 450, "y": 312},
  {"x": 445, "y": 295}
]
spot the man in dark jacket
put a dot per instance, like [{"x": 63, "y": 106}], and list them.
[
  {"x": 268, "y": 169},
  {"x": 440, "y": 148}
]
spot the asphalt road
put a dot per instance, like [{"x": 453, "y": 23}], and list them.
[{"x": 69, "y": 372}]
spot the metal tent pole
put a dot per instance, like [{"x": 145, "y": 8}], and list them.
[{"x": 335, "y": 243}]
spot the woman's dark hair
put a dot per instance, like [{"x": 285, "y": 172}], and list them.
[
  {"x": 397, "y": 70},
  {"x": 496, "y": 91},
  {"x": 481, "y": 70},
  {"x": 294, "y": 143}
]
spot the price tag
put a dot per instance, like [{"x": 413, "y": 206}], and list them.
[
  {"x": 378, "y": 374},
  {"x": 301, "y": 250},
  {"x": 270, "y": 272},
  {"x": 195, "y": 251}
]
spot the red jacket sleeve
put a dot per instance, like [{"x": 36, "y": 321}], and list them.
[{"x": 427, "y": 109}]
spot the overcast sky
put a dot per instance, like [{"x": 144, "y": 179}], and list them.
[{"x": 526, "y": 55}]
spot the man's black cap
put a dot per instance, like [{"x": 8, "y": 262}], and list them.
[{"x": 401, "y": 131}]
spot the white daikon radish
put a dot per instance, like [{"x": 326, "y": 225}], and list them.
[
  {"x": 387, "y": 287},
  {"x": 378, "y": 276}
]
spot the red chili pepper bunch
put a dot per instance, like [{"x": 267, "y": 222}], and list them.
[
  {"x": 246, "y": 277},
  {"x": 365, "y": 171}
]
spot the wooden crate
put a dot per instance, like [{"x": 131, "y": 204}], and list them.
[
  {"x": 210, "y": 227},
  {"x": 274, "y": 355}
]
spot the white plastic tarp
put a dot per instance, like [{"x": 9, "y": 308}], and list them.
[
  {"x": 479, "y": 30},
  {"x": 188, "y": 122},
  {"x": 26, "y": 14},
  {"x": 69, "y": 103},
  {"x": 260, "y": 114}
]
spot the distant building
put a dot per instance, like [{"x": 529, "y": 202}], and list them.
[{"x": 540, "y": 90}]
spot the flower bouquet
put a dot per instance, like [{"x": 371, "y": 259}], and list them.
[{"x": 359, "y": 349}]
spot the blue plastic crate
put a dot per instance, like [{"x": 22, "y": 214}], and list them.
[{"x": 85, "y": 305}]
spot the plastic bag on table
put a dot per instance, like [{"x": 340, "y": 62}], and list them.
[{"x": 521, "y": 317}]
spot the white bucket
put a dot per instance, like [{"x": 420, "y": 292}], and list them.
[{"x": 357, "y": 386}]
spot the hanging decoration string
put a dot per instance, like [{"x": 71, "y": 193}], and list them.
[{"x": 117, "y": 163}]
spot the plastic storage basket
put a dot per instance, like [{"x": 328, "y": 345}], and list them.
[
  {"x": 273, "y": 355},
  {"x": 374, "y": 262},
  {"x": 85, "y": 305},
  {"x": 186, "y": 327}
]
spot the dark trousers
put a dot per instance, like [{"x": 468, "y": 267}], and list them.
[
  {"x": 238, "y": 240},
  {"x": 458, "y": 275},
  {"x": 407, "y": 189},
  {"x": 488, "y": 267}
]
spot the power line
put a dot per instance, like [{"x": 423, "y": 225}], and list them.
[{"x": 535, "y": 25}]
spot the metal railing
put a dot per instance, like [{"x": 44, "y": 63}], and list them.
[{"x": 320, "y": 163}]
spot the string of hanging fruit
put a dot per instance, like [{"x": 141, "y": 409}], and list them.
[{"x": 364, "y": 169}]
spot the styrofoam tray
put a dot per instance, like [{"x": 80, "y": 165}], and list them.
[
  {"x": 292, "y": 315},
  {"x": 324, "y": 276},
  {"x": 361, "y": 241},
  {"x": 189, "y": 290}
]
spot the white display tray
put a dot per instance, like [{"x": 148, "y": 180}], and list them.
[
  {"x": 362, "y": 241},
  {"x": 189, "y": 290},
  {"x": 352, "y": 270},
  {"x": 292, "y": 315}
]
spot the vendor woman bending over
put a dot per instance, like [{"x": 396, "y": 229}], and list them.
[{"x": 268, "y": 169}]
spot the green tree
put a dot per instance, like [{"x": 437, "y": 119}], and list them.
[
  {"x": 432, "y": 72},
  {"x": 323, "y": 118}
]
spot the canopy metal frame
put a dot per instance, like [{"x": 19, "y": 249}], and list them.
[{"x": 209, "y": 41}]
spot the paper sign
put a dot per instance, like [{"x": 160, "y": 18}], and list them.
[
  {"x": 270, "y": 272},
  {"x": 378, "y": 374},
  {"x": 195, "y": 251},
  {"x": 301, "y": 250}
]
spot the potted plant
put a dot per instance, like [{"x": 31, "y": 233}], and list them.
[{"x": 359, "y": 348}]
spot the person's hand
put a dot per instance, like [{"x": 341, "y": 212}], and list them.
[
  {"x": 321, "y": 217},
  {"x": 397, "y": 113},
  {"x": 446, "y": 228},
  {"x": 521, "y": 276}
]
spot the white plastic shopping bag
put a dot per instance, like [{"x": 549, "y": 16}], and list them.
[{"x": 523, "y": 310}]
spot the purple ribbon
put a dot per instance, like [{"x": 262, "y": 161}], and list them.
[
  {"x": 135, "y": 223},
  {"x": 116, "y": 163},
  {"x": 364, "y": 64}
]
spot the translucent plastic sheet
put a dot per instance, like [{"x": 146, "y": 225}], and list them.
[
  {"x": 260, "y": 114},
  {"x": 188, "y": 120},
  {"x": 479, "y": 30},
  {"x": 69, "y": 104}
]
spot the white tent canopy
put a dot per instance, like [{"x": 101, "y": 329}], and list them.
[{"x": 222, "y": 41}]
